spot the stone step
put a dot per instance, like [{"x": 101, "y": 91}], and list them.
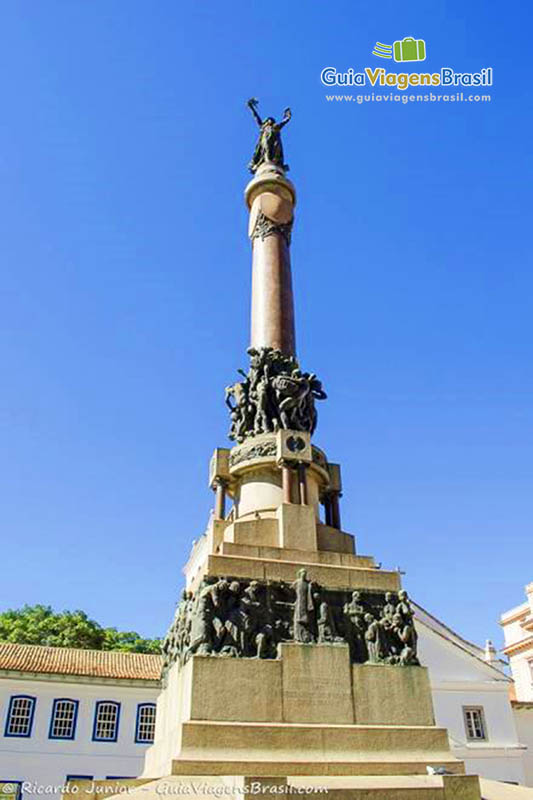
[
  {"x": 401, "y": 764},
  {"x": 328, "y": 575},
  {"x": 496, "y": 790},
  {"x": 409, "y": 787},
  {"x": 302, "y": 556},
  {"x": 411, "y": 748}
]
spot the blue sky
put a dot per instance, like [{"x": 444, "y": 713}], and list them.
[{"x": 125, "y": 288}]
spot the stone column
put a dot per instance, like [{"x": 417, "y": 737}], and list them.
[
  {"x": 220, "y": 499},
  {"x": 335, "y": 510},
  {"x": 286, "y": 479},
  {"x": 271, "y": 199},
  {"x": 302, "y": 483},
  {"x": 327, "y": 510}
]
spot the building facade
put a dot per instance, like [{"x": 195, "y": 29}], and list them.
[
  {"x": 74, "y": 713},
  {"x": 517, "y": 627},
  {"x": 471, "y": 699}
]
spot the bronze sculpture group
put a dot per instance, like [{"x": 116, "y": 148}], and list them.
[
  {"x": 389, "y": 638},
  {"x": 248, "y": 619},
  {"x": 274, "y": 394}
]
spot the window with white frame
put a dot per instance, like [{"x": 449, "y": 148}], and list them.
[
  {"x": 475, "y": 727},
  {"x": 145, "y": 728},
  {"x": 20, "y": 715},
  {"x": 63, "y": 720},
  {"x": 106, "y": 717}
]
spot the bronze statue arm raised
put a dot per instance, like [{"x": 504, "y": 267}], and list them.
[
  {"x": 252, "y": 103},
  {"x": 287, "y": 114}
]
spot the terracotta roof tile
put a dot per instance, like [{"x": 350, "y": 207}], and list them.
[{"x": 71, "y": 661}]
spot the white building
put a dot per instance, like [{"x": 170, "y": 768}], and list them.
[
  {"x": 89, "y": 713},
  {"x": 518, "y": 633},
  {"x": 471, "y": 697},
  {"x": 68, "y": 712}
]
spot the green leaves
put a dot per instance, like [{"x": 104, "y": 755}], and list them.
[
  {"x": 41, "y": 625},
  {"x": 129, "y": 641}
]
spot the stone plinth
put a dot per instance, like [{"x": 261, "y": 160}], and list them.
[
  {"x": 309, "y": 708},
  {"x": 316, "y": 684},
  {"x": 253, "y": 532},
  {"x": 297, "y": 527},
  {"x": 306, "y": 683},
  {"x": 362, "y": 749},
  {"x": 234, "y": 690},
  {"x": 389, "y": 695}
]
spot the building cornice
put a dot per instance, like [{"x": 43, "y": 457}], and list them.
[
  {"x": 54, "y": 677},
  {"x": 522, "y": 705},
  {"x": 515, "y": 615},
  {"x": 468, "y": 686},
  {"x": 518, "y": 647},
  {"x": 527, "y": 624},
  {"x": 488, "y": 750}
]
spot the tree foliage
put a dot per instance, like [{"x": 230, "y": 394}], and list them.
[{"x": 40, "y": 624}]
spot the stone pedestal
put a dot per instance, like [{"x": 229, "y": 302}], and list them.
[
  {"x": 318, "y": 711},
  {"x": 306, "y": 712}
]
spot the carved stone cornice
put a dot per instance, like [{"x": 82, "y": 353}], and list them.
[{"x": 255, "y": 451}]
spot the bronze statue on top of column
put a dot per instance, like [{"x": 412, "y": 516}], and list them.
[{"x": 268, "y": 148}]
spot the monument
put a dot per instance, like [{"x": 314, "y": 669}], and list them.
[{"x": 291, "y": 659}]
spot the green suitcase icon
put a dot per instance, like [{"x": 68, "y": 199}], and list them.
[{"x": 410, "y": 49}]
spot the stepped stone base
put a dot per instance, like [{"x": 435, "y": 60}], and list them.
[
  {"x": 294, "y": 744},
  {"x": 308, "y": 717},
  {"x": 308, "y": 712},
  {"x": 274, "y": 548},
  {"x": 320, "y": 769}
]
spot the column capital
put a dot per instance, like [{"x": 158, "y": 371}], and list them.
[{"x": 270, "y": 178}]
